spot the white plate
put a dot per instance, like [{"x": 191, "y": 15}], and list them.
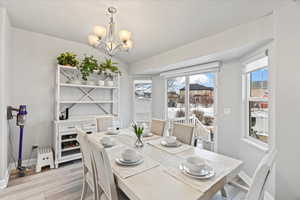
[
  {"x": 185, "y": 172},
  {"x": 120, "y": 161},
  {"x": 108, "y": 145},
  {"x": 203, "y": 172},
  {"x": 148, "y": 135},
  {"x": 164, "y": 143}
]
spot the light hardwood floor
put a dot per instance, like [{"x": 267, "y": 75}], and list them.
[{"x": 63, "y": 183}]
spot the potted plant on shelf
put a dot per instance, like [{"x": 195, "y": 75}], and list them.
[
  {"x": 68, "y": 59},
  {"x": 87, "y": 67},
  {"x": 138, "y": 130},
  {"x": 109, "y": 69}
]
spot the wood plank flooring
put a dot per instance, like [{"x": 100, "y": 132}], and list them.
[{"x": 64, "y": 183}]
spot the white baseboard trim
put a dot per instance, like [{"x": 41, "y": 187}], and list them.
[
  {"x": 12, "y": 166},
  {"x": 4, "y": 181},
  {"x": 25, "y": 163},
  {"x": 248, "y": 180}
]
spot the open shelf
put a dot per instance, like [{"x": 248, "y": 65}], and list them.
[
  {"x": 87, "y": 86},
  {"x": 70, "y": 148},
  {"x": 69, "y": 140},
  {"x": 73, "y": 153}
]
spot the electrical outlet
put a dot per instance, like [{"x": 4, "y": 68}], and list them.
[{"x": 35, "y": 146}]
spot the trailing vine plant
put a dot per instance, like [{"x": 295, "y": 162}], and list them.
[{"x": 88, "y": 65}]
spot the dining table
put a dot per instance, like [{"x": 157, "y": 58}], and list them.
[{"x": 159, "y": 176}]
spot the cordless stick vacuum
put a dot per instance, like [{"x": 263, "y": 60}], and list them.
[{"x": 21, "y": 117}]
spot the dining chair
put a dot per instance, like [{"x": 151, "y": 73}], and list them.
[
  {"x": 88, "y": 173},
  {"x": 256, "y": 190},
  {"x": 183, "y": 132},
  {"x": 105, "y": 186},
  {"x": 158, "y": 127}
]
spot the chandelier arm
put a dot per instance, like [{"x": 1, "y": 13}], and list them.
[{"x": 109, "y": 44}]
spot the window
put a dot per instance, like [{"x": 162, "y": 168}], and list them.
[
  {"x": 142, "y": 101},
  {"x": 257, "y": 100},
  {"x": 191, "y": 99},
  {"x": 176, "y": 98}
]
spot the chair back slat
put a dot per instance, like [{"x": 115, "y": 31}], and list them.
[
  {"x": 183, "y": 132},
  {"x": 103, "y": 171},
  {"x": 84, "y": 148},
  {"x": 261, "y": 176},
  {"x": 158, "y": 127}
]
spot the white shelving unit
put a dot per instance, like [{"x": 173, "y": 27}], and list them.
[{"x": 80, "y": 99}]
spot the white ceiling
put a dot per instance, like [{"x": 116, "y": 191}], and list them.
[{"x": 157, "y": 25}]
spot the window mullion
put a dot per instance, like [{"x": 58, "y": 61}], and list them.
[{"x": 187, "y": 98}]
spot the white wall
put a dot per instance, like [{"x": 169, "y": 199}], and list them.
[
  {"x": 250, "y": 33},
  {"x": 229, "y": 96},
  {"x": 33, "y": 83},
  {"x": 287, "y": 34},
  {"x": 5, "y": 44}
]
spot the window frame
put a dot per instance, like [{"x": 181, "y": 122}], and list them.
[
  {"x": 187, "y": 76},
  {"x": 247, "y": 98},
  {"x": 134, "y": 109}
]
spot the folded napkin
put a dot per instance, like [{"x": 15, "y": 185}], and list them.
[
  {"x": 172, "y": 150},
  {"x": 128, "y": 171},
  {"x": 153, "y": 137},
  {"x": 202, "y": 185}
]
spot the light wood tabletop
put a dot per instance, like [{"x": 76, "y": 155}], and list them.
[{"x": 164, "y": 180}]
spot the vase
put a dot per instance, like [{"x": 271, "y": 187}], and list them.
[
  {"x": 139, "y": 142},
  {"x": 110, "y": 83},
  {"x": 101, "y": 83}
]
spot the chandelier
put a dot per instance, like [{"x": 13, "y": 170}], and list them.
[{"x": 105, "y": 39}]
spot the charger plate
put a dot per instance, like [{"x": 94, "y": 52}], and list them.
[{"x": 211, "y": 173}]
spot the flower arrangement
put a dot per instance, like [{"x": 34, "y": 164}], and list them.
[{"x": 138, "y": 130}]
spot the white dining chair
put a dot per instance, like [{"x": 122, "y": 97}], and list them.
[
  {"x": 88, "y": 173},
  {"x": 256, "y": 190},
  {"x": 183, "y": 132},
  {"x": 105, "y": 186},
  {"x": 203, "y": 135},
  {"x": 158, "y": 127}
]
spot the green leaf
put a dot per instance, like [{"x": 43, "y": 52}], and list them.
[
  {"x": 68, "y": 58},
  {"x": 88, "y": 65}
]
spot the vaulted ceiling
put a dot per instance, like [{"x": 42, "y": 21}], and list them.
[{"x": 157, "y": 25}]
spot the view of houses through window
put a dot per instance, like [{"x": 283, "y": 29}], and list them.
[
  {"x": 257, "y": 99},
  {"x": 143, "y": 101},
  {"x": 176, "y": 101},
  {"x": 200, "y": 105}
]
